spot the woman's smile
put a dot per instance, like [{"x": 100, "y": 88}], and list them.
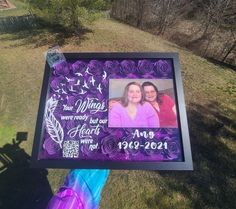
[{"x": 150, "y": 93}]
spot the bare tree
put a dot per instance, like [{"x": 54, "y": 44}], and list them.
[
  {"x": 140, "y": 12},
  {"x": 168, "y": 12},
  {"x": 230, "y": 47},
  {"x": 213, "y": 17}
]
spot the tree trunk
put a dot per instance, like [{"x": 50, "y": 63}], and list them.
[
  {"x": 140, "y": 13},
  {"x": 229, "y": 51}
]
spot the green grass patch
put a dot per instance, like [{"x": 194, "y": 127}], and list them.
[
  {"x": 7, "y": 133},
  {"x": 21, "y": 9}
]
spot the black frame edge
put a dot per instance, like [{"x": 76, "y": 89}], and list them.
[{"x": 185, "y": 165}]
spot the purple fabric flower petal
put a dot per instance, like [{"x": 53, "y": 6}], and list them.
[
  {"x": 163, "y": 68},
  {"x": 56, "y": 82},
  {"x": 50, "y": 146},
  {"x": 145, "y": 67},
  {"x": 79, "y": 67},
  {"x": 95, "y": 67},
  {"x": 128, "y": 66},
  {"x": 71, "y": 100},
  {"x": 112, "y": 67},
  {"x": 62, "y": 69},
  {"x": 109, "y": 146},
  {"x": 173, "y": 148}
]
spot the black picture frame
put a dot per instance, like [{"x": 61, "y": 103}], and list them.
[{"x": 186, "y": 164}]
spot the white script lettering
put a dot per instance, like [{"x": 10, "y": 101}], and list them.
[
  {"x": 91, "y": 104},
  {"x": 144, "y": 134},
  {"x": 83, "y": 131}
]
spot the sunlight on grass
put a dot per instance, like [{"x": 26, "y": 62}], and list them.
[
  {"x": 7, "y": 133},
  {"x": 21, "y": 9}
]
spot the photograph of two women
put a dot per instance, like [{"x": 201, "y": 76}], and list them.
[{"x": 142, "y": 103}]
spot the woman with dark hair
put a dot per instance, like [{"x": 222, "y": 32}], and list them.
[
  {"x": 162, "y": 103},
  {"x": 133, "y": 111}
]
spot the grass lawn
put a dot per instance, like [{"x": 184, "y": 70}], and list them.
[
  {"x": 210, "y": 93},
  {"x": 21, "y": 9}
]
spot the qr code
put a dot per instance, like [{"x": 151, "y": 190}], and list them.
[{"x": 70, "y": 149}]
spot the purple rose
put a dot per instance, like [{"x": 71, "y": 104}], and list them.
[
  {"x": 159, "y": 134},
  {"x": 112, "y": 67},
  {"x": 145, "y": 67},
  {"x": 163, "y": 68},
  {"x": 95, "y": 67},
  {"x": 79, "y": 67},
  {"x": 109, "y": 146},
  {"x": 173, "y": 150},
  {"x": 50, "y": 146},
  {"x": 62, "y": 69},
  {"x": 56, "y": 82},
  {"x": 172, "y": 131},
  {"x": 128, "y": 66}
]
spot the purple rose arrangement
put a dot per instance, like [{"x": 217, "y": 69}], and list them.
[
  {"x": 76, "y": 114},
  {"x": 163, "y": 69},
  {"x": 145, "y": 67}
]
